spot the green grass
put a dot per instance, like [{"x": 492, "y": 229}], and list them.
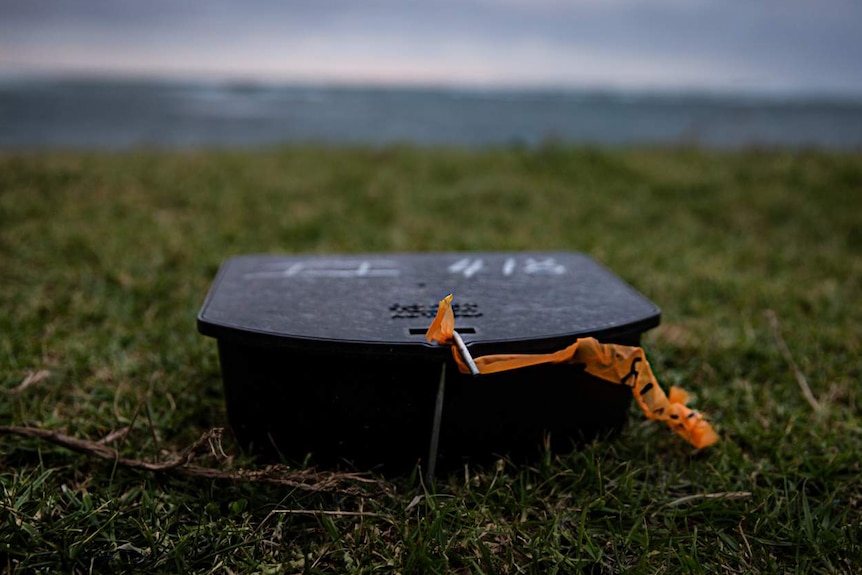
[{"x": 106, "y": 258}]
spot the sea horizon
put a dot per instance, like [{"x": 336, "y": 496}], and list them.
[{"x": 87, "y": 111}]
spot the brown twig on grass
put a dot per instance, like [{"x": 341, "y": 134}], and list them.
[
  {"x": 785, "y": 351},
  {"x": 180, "y": 464}
]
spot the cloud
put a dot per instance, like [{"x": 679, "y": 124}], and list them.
[{"x": 790, "y": 45}]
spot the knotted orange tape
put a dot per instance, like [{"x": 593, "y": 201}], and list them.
[{"x": 615, "y": 363}]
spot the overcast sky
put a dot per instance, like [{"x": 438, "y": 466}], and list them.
[{"x": 751, "y": 45}]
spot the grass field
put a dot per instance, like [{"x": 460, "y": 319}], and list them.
[{"x": 755, "y": 258}]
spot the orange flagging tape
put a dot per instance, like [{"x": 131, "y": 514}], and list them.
[{"x": 620, "y": 364}]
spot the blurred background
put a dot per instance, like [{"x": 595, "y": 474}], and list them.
[{"x": 120, "y": 74}]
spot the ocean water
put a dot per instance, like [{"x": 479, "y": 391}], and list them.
[{"x": 97, "y": 114}]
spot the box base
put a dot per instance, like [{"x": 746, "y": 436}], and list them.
[{"x": 376, "y": 412}]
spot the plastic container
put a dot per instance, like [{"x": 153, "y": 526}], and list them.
[{"x": 324, "y": 357}]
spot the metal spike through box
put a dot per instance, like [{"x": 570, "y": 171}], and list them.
[{"x": 325, "y": 356}]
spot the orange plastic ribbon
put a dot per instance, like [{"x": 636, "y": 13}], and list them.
[{"x": 622, "y": 364}]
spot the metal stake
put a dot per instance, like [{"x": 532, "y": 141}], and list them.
[
  {"x": 435, "y": 428},
  {"x": 438, "y": 405},
  {"x": 465, "y": 353}
]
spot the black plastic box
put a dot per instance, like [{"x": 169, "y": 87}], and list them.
[{"x": 325, "y": 356}]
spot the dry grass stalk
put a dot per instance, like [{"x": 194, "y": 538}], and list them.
[{"x": 785, "y": 351}]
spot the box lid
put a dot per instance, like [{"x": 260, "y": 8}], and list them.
[{"x": 504, "y": 301}]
